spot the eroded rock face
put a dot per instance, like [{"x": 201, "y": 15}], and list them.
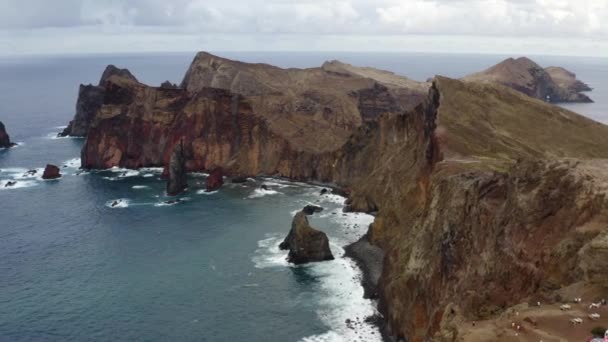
[
  {"x": 5, "y": 141},
  {"x": 90, "y": 100},
  {"x": 177, "y": 176},
  {"x": 51, "y": 172},
  {"x": 526, "y": 76},
  {"x": 306, "y": 244},
  {"x": 215, "y": 180}
]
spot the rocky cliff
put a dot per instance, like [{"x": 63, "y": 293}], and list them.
[
  {"x": 524, "y": 75},
  {"x": 90, "y": 99},
  {"x": 485, "y": 197},
  {"x": 5, "y": 140}
]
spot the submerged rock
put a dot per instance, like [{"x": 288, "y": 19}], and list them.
[
  {"x": 239, "y": 180},
  {"x": 10, "y": 183},
  {"x": 306, "y": 244},
  {"x": 5, "y": 141},
  {"x": 215, "y": 180},
  {"x": 51, "y": 172},
  {"x": 177, "y": 181}
]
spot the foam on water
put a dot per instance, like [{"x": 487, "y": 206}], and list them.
[
  {"x": 118, "y": 203},
  {"x": 18, "y": 185},
  {"x": 139, "y": 187},
  {"x": 268, "y": 253},
  {"x": 73, "y": 163},
  {"x": 257, "y": 193},
  {"x": 205, "y": 192}
]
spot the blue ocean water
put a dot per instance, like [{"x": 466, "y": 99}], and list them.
[{"x": 207, "y": 269}]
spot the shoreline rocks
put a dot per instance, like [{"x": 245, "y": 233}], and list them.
[
  {"x": 215, "y": 180},
  {"x": 51, "y": 172},
  {"x": 311, "y": 209},
  {"x": 177, "y": 181},
  {"x": 305, "y": 243},
  {"x": 5, "y": 141}
]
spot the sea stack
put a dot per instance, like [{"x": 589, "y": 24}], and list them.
[
  {"x": 177, "y": 181},
  {"x": 215, "y": 180},
  {"x": 51, "y": 172},
  {"x": 5, "y": 141},
  {"x": 305, "y": 243}
]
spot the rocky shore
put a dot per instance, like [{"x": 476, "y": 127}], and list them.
[
  {"x": 484, "y": 197},
  {"x": 5, "y": 140}
]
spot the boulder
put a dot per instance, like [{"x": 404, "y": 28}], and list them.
[
  {"x": 177, "y": 178},
  {"x": 305, "y": 243},
  {"x": 51, "y": 172},
  {"x": 215, "y": 180},
  {"x": 264, "y": 187},
  {"x": 311, "y": 209},
  {"x": 5, "y": 141}
]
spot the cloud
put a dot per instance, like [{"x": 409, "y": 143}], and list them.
[{"x": 188, "y": 19}]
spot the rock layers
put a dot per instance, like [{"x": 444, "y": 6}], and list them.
[
  {"x": 552, "y": 84},
  {"x": 51, "y": 172},
  {"x": 306, "y": 244},
  {"x": 484, "y": 196},
  {"x": 5, "y": 140},
  {"x": 177, "y": 181}
]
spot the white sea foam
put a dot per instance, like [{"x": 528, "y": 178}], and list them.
[
  {"x": 18, "y": 185},
  {"x": 268, "y": 253},
  {"x": 118, "y": 203},
  {"x": 205, "y": 192},
  {"x": 72, "y": 163},
  {"x": 151, "y": 169},
  {"x": 147, "y": 175},
  {"x": 138, "y": 187},
  {"x": 257, "y": 193}
]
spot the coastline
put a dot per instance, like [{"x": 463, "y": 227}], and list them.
[{"x": 369, "y": 259}]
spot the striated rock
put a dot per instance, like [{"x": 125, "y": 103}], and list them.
[
  {"x": 305, "y": 244},
  {"x": 5, "y": 141},
  {"x": 215, "y": 180},
  {"x": 177, "y": 176},
  {"x": 51, "y": 172},
  {"x": 90, "y": 100},
  {"x": 526, "y": 76}
]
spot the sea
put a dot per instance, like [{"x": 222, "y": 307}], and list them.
[{"x": 73, "y": 267}]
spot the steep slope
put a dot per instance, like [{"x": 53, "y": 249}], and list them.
[
  {"x": 524, "y": 75},
  {"x": 5, "y": 140},
  {"x": 566, "y": 79}
]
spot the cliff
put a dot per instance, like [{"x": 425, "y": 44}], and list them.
[
  {"x": 5, "y": 140},
  {"x": 524, "y": 75},
  {"x": 485, "y": 197}
]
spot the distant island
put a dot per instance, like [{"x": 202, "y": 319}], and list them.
[{"x": 490, "y": 205}]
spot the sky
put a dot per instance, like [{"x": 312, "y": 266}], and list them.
[{"x": 548, "y": 27}]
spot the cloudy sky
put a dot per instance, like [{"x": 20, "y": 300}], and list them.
[{"x": 558, "y": 27}]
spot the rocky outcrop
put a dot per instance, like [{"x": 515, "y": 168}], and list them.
[
  {"x": 567, "y": 80},
  {"x": 5, "y": 140},
  {"x": 306, "y": 244},
  {"x": 177, "y": 177},
  {"x": 90, "y": 100},
  {"x": 51, "y": 172},
  {"x": 215, "y": 180},
  {"x": 311, "y": 209},
  {"x": 168, "y": 85},
  {"x": 524, "y": 75}
]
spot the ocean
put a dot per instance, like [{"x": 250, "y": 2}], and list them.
[{"x": 74, "y": 268}]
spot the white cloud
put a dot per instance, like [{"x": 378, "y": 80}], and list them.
[{"x": 346, "y": 23}]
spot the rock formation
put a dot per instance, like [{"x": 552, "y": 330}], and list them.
[
  {"x": 177, "y": 181},
  {"x": 215, "y": 180},
  {"x": 305, "y": 244},
  {"x": 311, "y": 209},
  {"x": 51, "y": 172},
  {"x": 524, "y": 75},
  {"x": 485, "y": 197},
  {"x": 90, "y": 100},
  {"x": 5, "y": 140}
]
